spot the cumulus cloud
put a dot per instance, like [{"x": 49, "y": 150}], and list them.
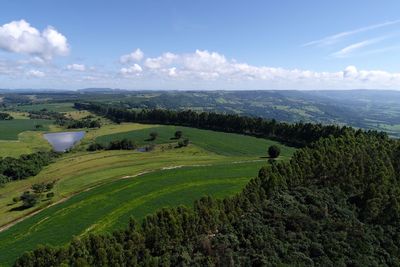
[
  {"x": 204, "y": 66},
  {"x": 21, "y": 37},
  {"x": 134, "y": 69},
  {"x": 77, "y": 67},
  {"x": 135, "y": 56},
  {"x": 35, "y": 73}
]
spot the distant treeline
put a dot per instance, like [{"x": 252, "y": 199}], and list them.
[
  {"x": 336, "y": 203},
  {"x": 297, "y": 134},
  {"x": 25, "y": 166}
]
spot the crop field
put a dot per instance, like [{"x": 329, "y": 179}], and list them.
[
  {"x": 99, "y": 191},
  {"x": 109, "y": 206},
  {"x": 221, "y": 143},
  {"x": 9, "y": 130}
]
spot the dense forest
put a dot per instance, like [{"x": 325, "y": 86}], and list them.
[{"x": 337, "y": 202}]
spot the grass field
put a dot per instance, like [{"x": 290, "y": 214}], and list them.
[
  {"x": 9, "y": 130},
  {"x": 221, "y": 143},
  {"x": 28, "y": 142},
  {"x": 99, "y": 191}
]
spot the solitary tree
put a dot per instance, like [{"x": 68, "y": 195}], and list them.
[
  {"x": 178, "y": 134},
  {"x": 274, "y": 151},
  {"x": 153, "y": 136}
]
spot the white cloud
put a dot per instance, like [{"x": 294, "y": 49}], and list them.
[
  {"x": 161, "y": 61},
  {"x": 77, "y": 67},
  {"x": 329, "y": 40},
  {"x": 21, "y": 37},
  {"x": 348, "y": 50},
  {"x": 134, "y": 69},
  {"x": 218, "y": 72},
  {"x": 35, "y": 74},
  {"x": 135, "y": 56}
]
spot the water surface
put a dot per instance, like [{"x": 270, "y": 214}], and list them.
[{"x": 63, "y": 141}]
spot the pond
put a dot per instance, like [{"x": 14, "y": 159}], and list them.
[{"x": 61, "y": 142}]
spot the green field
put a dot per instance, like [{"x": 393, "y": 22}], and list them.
[
  {"x": 58, "y": 107},
  {"x": 9, "y": 130},
  {"x": 109, "y": 206},
  {"x": 221, "y": 143}
]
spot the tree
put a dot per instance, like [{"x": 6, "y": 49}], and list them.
[
  {"x": 28, "y": 199},
  {"x": 153, "y": 136},
  {"x": 274, "y": 151},
  {"x": 178, "y": 134}
]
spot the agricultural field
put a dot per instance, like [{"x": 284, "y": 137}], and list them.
[
  {"x": 227, "y": 144},
  {"x": 104, "y": 188},
  {"x": 9, "y": 130}
]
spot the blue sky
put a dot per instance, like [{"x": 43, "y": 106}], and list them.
[{"x": 200, "y": 44}]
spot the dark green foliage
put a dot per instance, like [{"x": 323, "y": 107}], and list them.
[
  {"x": 183, "y": 143},
  {"x": 178, "y": 134},
  {"x": 24, "y": 166},
  {"x": 5, "y": 116},
  {"x": 153, "y": 136},
  {"x": 50, "y": 195},
  {"x": 87, "y": 122},
  {"x": 29, "y": 199},
  {"x": 124, "y": 144},
  {"x": 274, "y": 151},
  {"x": 335, "y": 203},
  {"x": 95, "y": 147}
]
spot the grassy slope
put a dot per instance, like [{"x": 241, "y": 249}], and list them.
[
  {"x": 217, "y": 142},
  {"x": 109, "y": 206}
]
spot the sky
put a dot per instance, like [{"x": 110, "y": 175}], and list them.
[{"x": 200, "y": 45}]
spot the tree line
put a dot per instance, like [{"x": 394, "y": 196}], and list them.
[
  {"x": 337, "y": 202},
  {"x": 25, "y": 166},
  {"x": 297, "y": 134}
]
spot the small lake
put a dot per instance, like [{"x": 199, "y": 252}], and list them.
[{"x": 61, "y": 142}]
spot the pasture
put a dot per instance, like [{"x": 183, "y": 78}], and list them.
[{"x": 227, "y": 144}]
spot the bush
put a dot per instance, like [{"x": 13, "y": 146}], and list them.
[
  {"x": 178, "y": 134},
  {"x": 29, "y": 199},
  {"x": 95, "y": 147},
  {"x": 274, "y": 151},
  {"x": 153, "y": 136},
  {"x": 50, "y": 195},
  {"x": 183, "y": 143}
]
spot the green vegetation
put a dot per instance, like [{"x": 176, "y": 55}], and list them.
[
  {"x": 274, "y": 151},
  {"x": 5, "y": 116},
  {"x": 10, "y": 129},
  {"x": 56, "y": 107},
  {"x": 335, "y": 203},
  {"x": 110, "y": 206},
  {"x": 228, "y": 144}
]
